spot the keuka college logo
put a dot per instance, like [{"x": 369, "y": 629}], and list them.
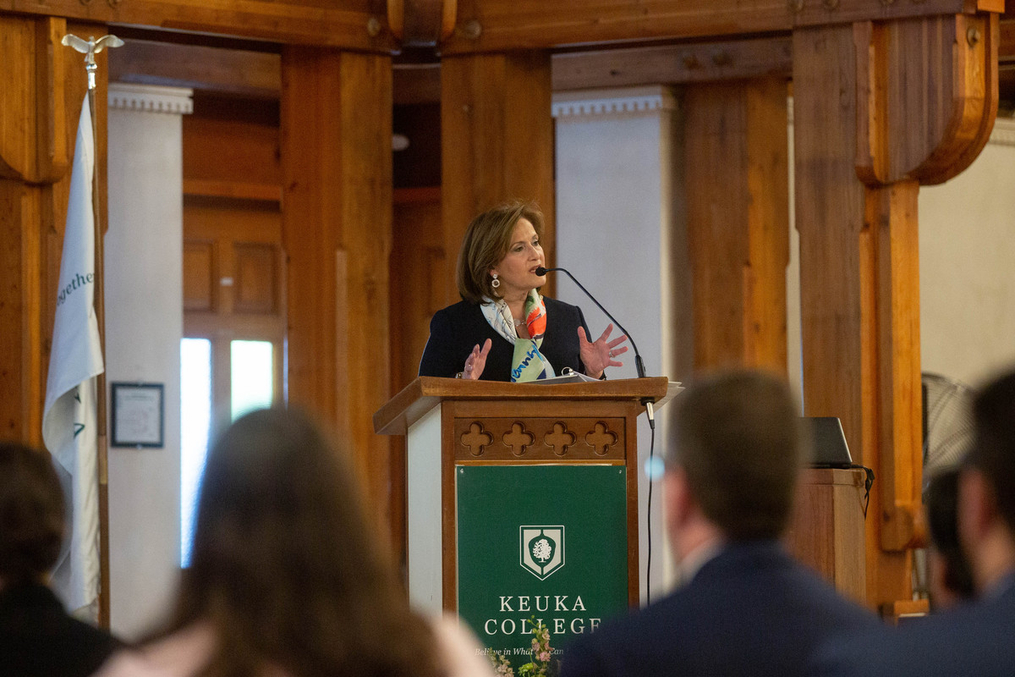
[{"x": 542, "y": 549}]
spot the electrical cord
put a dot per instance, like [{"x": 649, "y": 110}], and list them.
[{"x": 651, "y": 479}]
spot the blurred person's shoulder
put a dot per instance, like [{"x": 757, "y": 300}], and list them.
[
  {"x": 180, "y": 654},
  {"x": 459, "y": 651}
]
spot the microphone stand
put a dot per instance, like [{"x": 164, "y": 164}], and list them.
[{"x": 639, "y": 365}]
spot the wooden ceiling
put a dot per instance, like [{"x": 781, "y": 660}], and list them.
[{"x": 250, "y": 69}]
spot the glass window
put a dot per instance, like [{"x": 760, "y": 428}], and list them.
[
  {"x": 253, "y": 373},
  {"x": 195, "y": 396}
]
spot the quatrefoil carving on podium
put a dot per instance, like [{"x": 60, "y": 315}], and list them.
[
  {"x": 560, "y": 439},
  {"x": 518, "y": 439},
  {"x": 601, "y": 439},
  {"x": 477, "y": 439}
]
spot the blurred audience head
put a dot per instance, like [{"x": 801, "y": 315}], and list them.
[
  {"x": 31, "y": 514},
  {"x": 950, "y": 579},
  {"x": 987, "y": 485},
  {"x": 285, "y": 565},
  {"x": 736, "y": 456}
]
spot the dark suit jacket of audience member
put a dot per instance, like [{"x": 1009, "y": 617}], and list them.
[
  {"x": 455, "y": 330},
  {"x": 972, "y": 640},
  {"x": 750, "y": 611},
  {"x": 39, "y": 639}
]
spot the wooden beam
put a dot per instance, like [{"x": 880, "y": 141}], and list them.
[
  {"x": 352, "y": 24},
  {"x": 674, "y": 64},
  {"x": 497, "y": 25},
  {"x": 228, "y": 71},
  {"x": 240, "y": 72},
  {"x": 496, "y": 141},
  {"x": 738, "y": 221},
  {"x": 336, "y": 228}
]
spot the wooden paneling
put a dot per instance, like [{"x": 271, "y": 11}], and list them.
[
  {"x": 336, "y": 151},
  {"x": 827, "y": 530},
  {"x": 232, "y": 140},
  {"x": 232, "y": 265},
  {"x": 738, "y": 221},
  {"x": 417, "y": 283},
  {"x": 198, "y": 275},
  {"x": 496, "y": 142},
  {"x": 256, "y": 278}
]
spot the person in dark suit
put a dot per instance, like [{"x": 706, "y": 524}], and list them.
[
  {"x": 950, "y": 579},
  {"x": 504, "y": 329},
  {"x": 745, "y": 607},
  {"x": 37, "y": 637},
  {"x": 972, "y": 639}
]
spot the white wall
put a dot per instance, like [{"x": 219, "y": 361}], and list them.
[
  {"x": 144, "y": 326},
  {"x": 967, "y": 266},
  {"x": 619, "y": 231}
]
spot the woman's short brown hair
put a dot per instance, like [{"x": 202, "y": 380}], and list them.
[{"x": 486, "y": 242}]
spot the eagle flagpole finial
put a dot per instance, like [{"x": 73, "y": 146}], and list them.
[{"x": 90, "y": 48}]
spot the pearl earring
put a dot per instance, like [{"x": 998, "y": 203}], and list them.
[{"x": 495, "y": 283}]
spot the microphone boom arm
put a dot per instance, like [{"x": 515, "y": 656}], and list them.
[{"x": 638, "y": 364}]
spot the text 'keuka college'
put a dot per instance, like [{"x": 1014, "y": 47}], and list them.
[{"x": 539, "y": 603}]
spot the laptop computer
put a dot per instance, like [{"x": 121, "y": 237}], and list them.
[{"x": 829, "y": 442}]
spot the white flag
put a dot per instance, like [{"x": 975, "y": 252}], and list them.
[{"x": 69, "y": 418}]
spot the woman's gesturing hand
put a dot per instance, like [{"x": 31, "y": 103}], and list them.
[
  {"x": 597, "y": 356},
  {"x": 476, "y": 361}
]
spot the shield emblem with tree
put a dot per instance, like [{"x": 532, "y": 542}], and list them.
[{"x": 542, "y": 549}]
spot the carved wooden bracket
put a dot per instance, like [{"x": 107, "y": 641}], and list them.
[{"x": 927, "y": 93}]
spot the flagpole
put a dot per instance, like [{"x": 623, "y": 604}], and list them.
[{"x": 102, "y": 450}]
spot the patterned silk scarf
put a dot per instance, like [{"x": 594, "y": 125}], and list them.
[{"x": 528, "y": 363}]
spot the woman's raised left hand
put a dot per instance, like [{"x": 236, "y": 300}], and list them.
[{"x": 599, "y": 354}]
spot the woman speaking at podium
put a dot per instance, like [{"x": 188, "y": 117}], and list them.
[{"x": 504, "y": 329}]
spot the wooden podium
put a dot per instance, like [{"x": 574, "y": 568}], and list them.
[{"x": 522, "y": 500}]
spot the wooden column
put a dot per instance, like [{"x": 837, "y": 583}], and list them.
[
  {"x": 33, "y": 155},
  {"x": 738, "y": 221},
  {"x": 336, "y": 229},
  {"x": 879, "y": 108},
  {"x": 496, "y": 141}
]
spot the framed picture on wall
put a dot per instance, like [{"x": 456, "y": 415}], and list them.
[{"x": 138, "y": 415}]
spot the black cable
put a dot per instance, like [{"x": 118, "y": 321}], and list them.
[
  {"x": 867, "y": 484},
  {"x": 651, "y": 477}
]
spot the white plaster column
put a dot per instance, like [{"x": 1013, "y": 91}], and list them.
[
  {"x": 621, "y": 231},
  {"x": 144, "y": 327},
  {"x": 967, "y": 259}
]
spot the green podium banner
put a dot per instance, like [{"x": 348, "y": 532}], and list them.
[{"x": 543, "y": 542}]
